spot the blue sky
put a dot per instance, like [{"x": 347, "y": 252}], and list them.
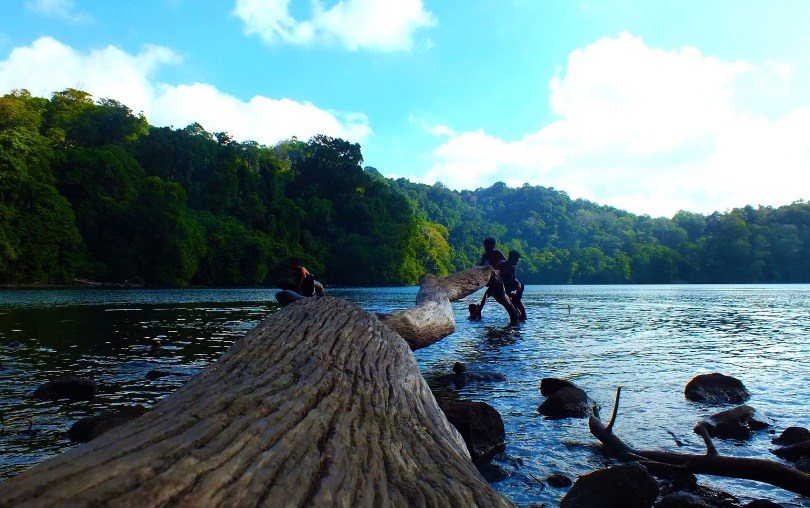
[{"x": 651, "y": 107}]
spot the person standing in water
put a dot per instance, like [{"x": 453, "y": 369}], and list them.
[
  {"x": 514, "y": 288},
  {"x": 495, "y": 287}
]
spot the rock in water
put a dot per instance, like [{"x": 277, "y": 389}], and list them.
[
  {"x": 622, "y": 486},
  {"x": 716, "y": 388},
  {"x": 91, "y": 427},
  {"x": 67, "y": 387}
]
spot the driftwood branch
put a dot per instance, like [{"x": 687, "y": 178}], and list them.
[
  {"x": 319, "y": 405},
  {"x": 761, "y": 470},
  {"x": 432, "y": 318}
]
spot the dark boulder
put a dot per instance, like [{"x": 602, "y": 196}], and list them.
[
  {"x": 716, "y": 388},
  {"x": 91, "y": 427},
  {"x": 479, "y": 424},
  {"x": 157, "y": 374},
  {"x": 736, "y": 423},
  {"x": 793, "y": 452},
  {"x": 761, "y": 503},
  {"x": 67, "y": 387},
  {"x": 549, "y": 385},
  {"x": 461, "y": 377},
  {"x": 564, "y": 400},
  {"x": 559, "y": 480},
  {"x": 792, "y": 435},
  {"x": 677, "y": 486},
  {"x": 622, "y": 486},
  {"x": 682, "y": 500}
]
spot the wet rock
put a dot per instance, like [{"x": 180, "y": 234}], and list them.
[
  {"x": 803, "y": 464},
  {"x": 794, "y": 452},
  {"x": 155, "y": 349},
  {"x": 493, "y": 473},
  {"x": 672, "y": 481},
  {"x": 461, "y": 377},
  {"x": 91, "y": 427},
  {"x": 157, "y": 374},
  {"x": 737, "y": 423},
  {"x": 622, "y": 486},
  {"x": 478, "y": 423},
  {"x": 67, "y": 387},
  {"x": 564, "y": 400},
  {"x": 697, "y": 495},
  {"x": 682, "y": 500},
  {"x": 549, "y": 385},
  {"x": 559, "y": 481},
  {"x": 761, "y": 503},
  {"x": 716, "y": 388},
  {"x": 792, "y": 435}
]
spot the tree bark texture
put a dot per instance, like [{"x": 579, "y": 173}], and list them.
[{"x": 319, "y": 405}]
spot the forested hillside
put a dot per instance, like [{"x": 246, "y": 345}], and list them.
[{"x": 89, "y": 189}]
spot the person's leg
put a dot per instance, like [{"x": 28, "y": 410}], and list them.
[
  {"x": 517, "y": 301},
  {"x": 499, "y": 293}
]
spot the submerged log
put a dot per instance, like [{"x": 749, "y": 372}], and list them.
[
  {"x": 712, "y": 463},
  {"x": 319, "y": 405}
]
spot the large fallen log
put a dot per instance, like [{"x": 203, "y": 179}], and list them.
[
  {"x": 319, "y": 405},
  {"x": 712, "y": 463}
]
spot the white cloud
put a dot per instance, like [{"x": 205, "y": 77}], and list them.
[
  {"x": 260, "y": 119},
  {"x": 58, "y": 8},
  {"x": 650, "y": 131},
  {"x": 130, "y": 79},
  {"x": 378, "y": 25}
]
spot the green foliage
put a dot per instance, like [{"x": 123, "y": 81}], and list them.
[
  {"x": 39, "y": 241},
  {"x": 89, "y": 189}
]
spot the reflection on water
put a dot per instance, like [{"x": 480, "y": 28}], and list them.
[{"x": 651, "y": 340}]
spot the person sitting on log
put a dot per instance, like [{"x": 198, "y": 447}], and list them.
[
  {"x": 495, "y": 287},
  {"x": 514, "y": 288},
  {"x": 305, "y": 283}
]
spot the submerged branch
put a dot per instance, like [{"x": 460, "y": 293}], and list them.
[{"x": 762, "y": 470}]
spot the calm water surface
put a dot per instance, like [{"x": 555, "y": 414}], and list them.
[{"x": 651, "y": 340}]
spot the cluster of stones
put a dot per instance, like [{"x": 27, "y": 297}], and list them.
[
  {"x": 76, "y": 388},
  {"x": 639, "y": 487}
]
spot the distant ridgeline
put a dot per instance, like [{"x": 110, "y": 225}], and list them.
[{"x": 90, "y": 190}]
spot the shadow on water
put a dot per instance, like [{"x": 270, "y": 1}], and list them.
[{"x": 497, "y": 337}]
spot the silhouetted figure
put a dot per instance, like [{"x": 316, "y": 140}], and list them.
[
  {"x": 304, "y": 282},
  {"x": 495, "y": 287},
  {"x": 514, "y": 288}
]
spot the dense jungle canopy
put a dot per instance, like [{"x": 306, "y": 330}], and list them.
[{"x": 89, "y": 189}]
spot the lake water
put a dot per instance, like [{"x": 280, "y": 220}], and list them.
[{"x": 651, "y": 340}]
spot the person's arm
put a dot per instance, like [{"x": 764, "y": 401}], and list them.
[
  {"x": 483, "y": 259},
  {"x": 302, "y": 274}
]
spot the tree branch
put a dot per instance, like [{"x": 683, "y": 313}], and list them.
[
  {"x": 761, "y": 470},
  {"x": 432, "y": 318}
]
